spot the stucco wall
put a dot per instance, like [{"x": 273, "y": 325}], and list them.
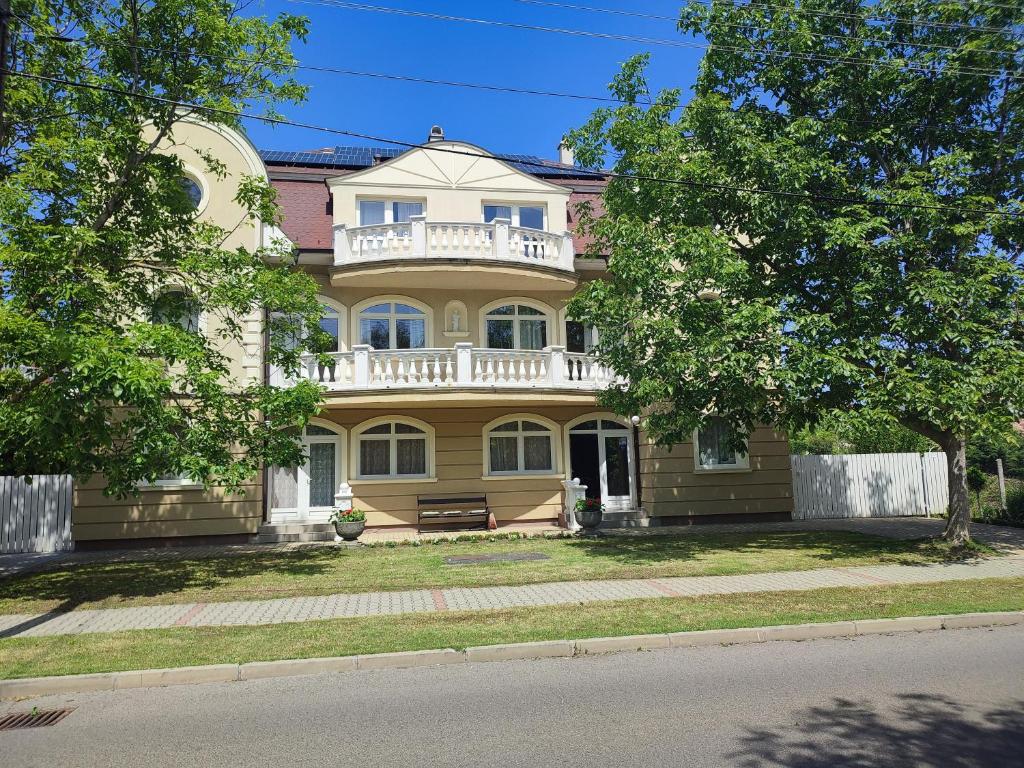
[{"x": 671, "y": 486}]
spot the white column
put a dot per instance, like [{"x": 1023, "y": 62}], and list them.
[
  {"x": 361, "y": 365},
  {"x": 418, "y": 224},
  {"x": 342, "y": 247},
  {"x": 573, "y": 493},
  {"x": 343, "y": 498},
  {"x": 500, "y": 241},
  {"x": 556, "y": 369},
  {"x": 464, "y": 363},
  {"x": 567, "y": 257}
]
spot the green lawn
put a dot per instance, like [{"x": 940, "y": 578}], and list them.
[
  {"x": 144, "y": 649},
  {"x": 331, "y": 570}
]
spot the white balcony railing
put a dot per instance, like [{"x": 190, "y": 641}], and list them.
[
  {"x": 420, "y": 239},
  {"x": 365, "y": 368}
]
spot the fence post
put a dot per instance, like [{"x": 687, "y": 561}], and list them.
[
  {"x": 924, "y": 485},
  {"x": 1002, "y": 484}
]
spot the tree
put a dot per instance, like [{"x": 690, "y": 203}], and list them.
[
  {"x": 858, "y": 432},
  {"x": 882, "y": 270},
  {"x": 104, "y": 259}
]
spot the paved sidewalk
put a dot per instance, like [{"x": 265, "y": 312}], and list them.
[{"x": 299, "y": 609}]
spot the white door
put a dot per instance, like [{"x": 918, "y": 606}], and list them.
[{"x": 613, "y": 454}]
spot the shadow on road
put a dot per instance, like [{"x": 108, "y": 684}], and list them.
[{"x": 920, "y": 730}]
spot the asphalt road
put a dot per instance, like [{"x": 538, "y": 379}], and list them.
[{"x": 953, "y": 699}]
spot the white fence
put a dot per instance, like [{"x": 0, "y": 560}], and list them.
[
  {"x": 869, "y": 485},
  {"x": 36, "y": 516}
]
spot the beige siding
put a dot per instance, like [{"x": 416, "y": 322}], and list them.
[
  {"x": 672, "y": 487},
  {"x": 459, "y": 462},
  {"x": 164, "y": 512}
]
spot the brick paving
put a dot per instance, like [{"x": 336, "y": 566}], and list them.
[{"x": 299, "y": 609}]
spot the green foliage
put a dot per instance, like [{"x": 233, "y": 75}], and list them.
[
  {"x": 781, "y": 308},
  {"x": 96, "y": 230},
  {"x": 348, "y": 516},
  {"x": 975, "y": 480},
  {"x": 858, "y": 432},
  {"x": 984, "y": 450}
]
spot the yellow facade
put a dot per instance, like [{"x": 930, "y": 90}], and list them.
[{"x": 454, "y": 296}]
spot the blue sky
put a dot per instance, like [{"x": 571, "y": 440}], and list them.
[{"x": 501, "y": 122}]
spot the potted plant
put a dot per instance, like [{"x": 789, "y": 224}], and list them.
[
  {"x": 349, "y": 523},
  {"x": 589, "y": 513}
]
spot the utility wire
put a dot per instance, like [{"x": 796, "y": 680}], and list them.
[
  {"x": 546, "y": 166},
  {"x": 674, "y": 19},
  {"x": 959, "y": 70},
  {"x": 461, "y": 84}
]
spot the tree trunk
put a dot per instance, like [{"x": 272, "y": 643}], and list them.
[{"x": 958, "y": 523}]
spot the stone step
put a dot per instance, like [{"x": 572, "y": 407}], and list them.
[
  {"x": 285, "y": 538},
  {"x": 275, "y": 528},
  {"x": 632, "y": 518}
]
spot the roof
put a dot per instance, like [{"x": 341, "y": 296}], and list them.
[{"x": 365, "y": 157}]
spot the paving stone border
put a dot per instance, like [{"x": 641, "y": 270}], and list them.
[{"x": 257, "y": 670}]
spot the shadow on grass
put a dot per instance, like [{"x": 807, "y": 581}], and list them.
[
  {"x": 921, "y": 730},
  {"x": 827, "y": 546},
  {"x": 94, "y": 582}
]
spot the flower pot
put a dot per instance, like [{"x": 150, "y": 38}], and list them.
[
  {"x": 350, "y": 531},
  {"x": 590, "y": 519}
]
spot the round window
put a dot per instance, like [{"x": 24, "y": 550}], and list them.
[{"x": 193, "y": 190}]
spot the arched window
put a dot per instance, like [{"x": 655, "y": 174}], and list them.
[
  {"x": 176, "y": 307},
  {"x": 516, "y": 326},
  {"x": 393, "y": 449},
  {"x": 393, "y": 325},
  {"x": 521, "y": 446},
  {"x": 330, "y": 323},
  {"x": 308, "y": 490}
]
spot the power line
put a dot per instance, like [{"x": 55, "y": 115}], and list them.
[
  {"x": 660, "y": 17},
  {"x": 481, "y": 86},
  {"x": 541, "y": 165},
  {"x": 959, "y": 70}
]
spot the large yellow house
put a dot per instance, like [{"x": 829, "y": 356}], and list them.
[{"x": 445, "y": 273}]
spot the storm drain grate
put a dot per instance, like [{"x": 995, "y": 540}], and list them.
[{"x": 33, "y": 719}]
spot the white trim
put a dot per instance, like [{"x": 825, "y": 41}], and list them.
[
  {"x": 742, "y": 459},
  {"x": 357, "y": 434},
  {"x": 426, "y": 309},
  {"x": 550, "y": 315},
  {"x": 602, "y": 469},
  {"x": 553, "y": 432}
]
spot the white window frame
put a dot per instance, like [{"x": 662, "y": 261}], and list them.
[
  {"x": 515, "y": 212},
  {"x": 392, "y": 317},
  {"x": 180, "y": 482},
  {"x": 303, "y": 509},
  {"x": 200, "y": 314},
  {"x": 742, "y": 459},
  {"x": 359, "y": 434},
  {"x": 389, "y": 208},
  {"x": 488, "y": 314},
  {"x": 551, "y": 432}
]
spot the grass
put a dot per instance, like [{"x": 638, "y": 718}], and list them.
[
  {"x": 329, "y": 570},
  {"x": 145, "y": 649}
]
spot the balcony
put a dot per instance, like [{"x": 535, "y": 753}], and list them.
[
  {"x": 462, "y": 367},
  {"x": 452, "y": 255}
]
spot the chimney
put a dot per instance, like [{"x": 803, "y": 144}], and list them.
[
  {"x": 565, "y": 154},
  {"x": 436, "y": 134}
]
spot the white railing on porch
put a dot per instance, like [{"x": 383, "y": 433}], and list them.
[
  {"x": 460, "y": 366},
  {"x": 420, "y": 239}
]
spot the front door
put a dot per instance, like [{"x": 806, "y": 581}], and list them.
[{"x": 600, "y": 456}]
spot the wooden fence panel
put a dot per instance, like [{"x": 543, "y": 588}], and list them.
[
  {"x": 869, "y": 485},
  {"x": 36, "y": 516}
]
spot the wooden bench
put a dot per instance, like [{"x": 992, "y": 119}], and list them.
[{"x": 452, "y": 510}]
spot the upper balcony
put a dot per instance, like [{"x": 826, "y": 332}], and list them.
[{"x": 437, "y": 254}]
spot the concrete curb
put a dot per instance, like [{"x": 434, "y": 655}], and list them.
[{"x": 256, "y": 670}]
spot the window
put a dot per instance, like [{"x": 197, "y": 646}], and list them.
[
  {"x": 330, "y": 323},
  {"x": 388, "y": 211},
  {"x": 519, "y": 447},
  {"x": 176, "y": 307},
  {"x": 193, "y": 191},
  {"x": 516, "y": 326},
  {"x": 296, "y": 491},
  {"x": 530, "y": 216},
  {"x": 174, "y": 480},
  {"x": 579, "y": 337},
  {"x": 393, "y": 325},
  {"x": 393, "y": 449},
  {"x": 711, "y": 449}
]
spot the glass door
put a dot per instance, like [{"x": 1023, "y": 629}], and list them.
[{"x": 601, "y": 457}]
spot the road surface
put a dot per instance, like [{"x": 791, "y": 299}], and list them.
[{"x": 953, "y": 699}]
